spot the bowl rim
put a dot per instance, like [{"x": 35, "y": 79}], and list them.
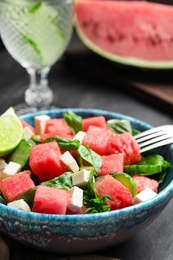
[{"x": 165, "y": 194}]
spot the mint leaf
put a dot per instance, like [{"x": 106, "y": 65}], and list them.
[{"x": 35, "y": 8}]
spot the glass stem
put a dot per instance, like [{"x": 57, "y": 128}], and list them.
[{"x": 39, "y": 94}]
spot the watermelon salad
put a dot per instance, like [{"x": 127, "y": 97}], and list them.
[{"x": 75, "y": 165}]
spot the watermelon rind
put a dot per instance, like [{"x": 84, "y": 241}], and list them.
[{"x": 119, "y": 59}]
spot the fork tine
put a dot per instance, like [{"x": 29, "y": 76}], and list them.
[
  {"x": 154, "y": 140},
  {"x": 155, "y": 145},
  {"x": 153, "y": 130},
  {"x": 155, "y": 137},
  {"x": 150, "y": 136}
]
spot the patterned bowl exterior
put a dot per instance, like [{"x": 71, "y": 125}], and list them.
[{"x": 78, "y": 234}]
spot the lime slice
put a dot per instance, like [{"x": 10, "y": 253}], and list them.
[{"x": 11, "y": 131}]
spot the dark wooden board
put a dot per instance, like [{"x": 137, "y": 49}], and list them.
[{"x": 153, "y": 86}]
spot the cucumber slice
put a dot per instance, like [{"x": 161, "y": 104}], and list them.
[
  {"x": 142, "y": 169},
  {"x": 40, "y": 32},
  {"x": 36, "y": 139},
  {"x": 127, "y": 181},
  {"x": 151, "y": 164},
  {"x": 21, "y": 153}
]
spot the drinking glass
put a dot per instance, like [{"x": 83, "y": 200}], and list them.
[{"x": 36, "y": 34}]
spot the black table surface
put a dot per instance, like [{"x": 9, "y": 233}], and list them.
[{"x": 77, "y": 88}]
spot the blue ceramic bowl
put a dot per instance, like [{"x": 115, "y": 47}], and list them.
[{"x": 78, "y": 234}]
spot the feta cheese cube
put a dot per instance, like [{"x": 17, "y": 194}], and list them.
[
  {"x": 40, "y": 123},
  {"x": 79, "y": 136},
  {"x": 2, "y": 163},
  {"x": 81, "y": 178},
  {"x": 75, "y": 198},
  {"x": 144, "y": 195},
  {"x": 69, "y": 161},
  {"x": 27, "y": 133},
  {"x": 10, "y": 169},
  {"x": 19, "y": 204}
]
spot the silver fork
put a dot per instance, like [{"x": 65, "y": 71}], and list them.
[{"x": 155, "y": 137}]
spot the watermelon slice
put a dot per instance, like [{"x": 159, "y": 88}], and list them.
[
  {"x": 45, "y": 161},
  {"x": 16, "y": 185},
  {"x": 97, "y": 139},
  {"x": 125, "y": 143},
  {"x": 50, "y": 200},
  {"x": 99, "y": 121},
  {"x": 137, "y": 33},
  {"x": 144, "y": 182},
  {"x": 120, "y": 195},
  {"x": 112, "y": 163}
]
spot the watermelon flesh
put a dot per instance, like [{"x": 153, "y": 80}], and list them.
[
  {"x": 50, "y": 200},
  {"x": 136, "y": 33},
  {"x": 120, "y": 195},
  {"x": 25, "y": 124},
  {"x": 112, "y": 163},
  {"x": 97, "y": 139},
  {"x": 16, "y": 185},
  {"x": 57, "y": 126},
  {"x": 82, "y": 210},
  {"x": 126, "y": 144},
  {"x": 144, "y": 182},
  {"x": 99, "y": 121},
  {"x": 45, "y": 161}
]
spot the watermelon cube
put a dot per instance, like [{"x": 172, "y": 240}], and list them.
[
  {"x": 144, "y": 182},
  {"x": 45, "y": 161},
  {"x": 82, "y": 210},
  {"x": 59, "y": 127},
  {"x": 50, "y": 200},
  {"x": 97, "y": 139},
  {"x": 26, "y": 124},
  {"x": 120, "y": 195},
  {"x": 112, "y": 163},
  {"x": 16, "y": 185},
  {"x": 99, "y": 121},
  {"x": 125, "y": 143}
]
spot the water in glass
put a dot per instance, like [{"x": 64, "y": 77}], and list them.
[{"x": 36, "y": 34}]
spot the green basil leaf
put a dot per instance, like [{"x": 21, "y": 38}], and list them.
[
  {"x": 90, "y": 156},
  {"x": 2, "y": 200},
  {"x": 73, "y": 121},
  {"x": 64, "y": 143},
  {"x": 63, "y": 181},
  {"x": 119, "y": 126},
  {"x": 91, "y": 200}
]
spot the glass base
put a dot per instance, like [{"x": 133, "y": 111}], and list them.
[
  {"x": 41, "y": 96},
  {"x": 23, "y": 108}
]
